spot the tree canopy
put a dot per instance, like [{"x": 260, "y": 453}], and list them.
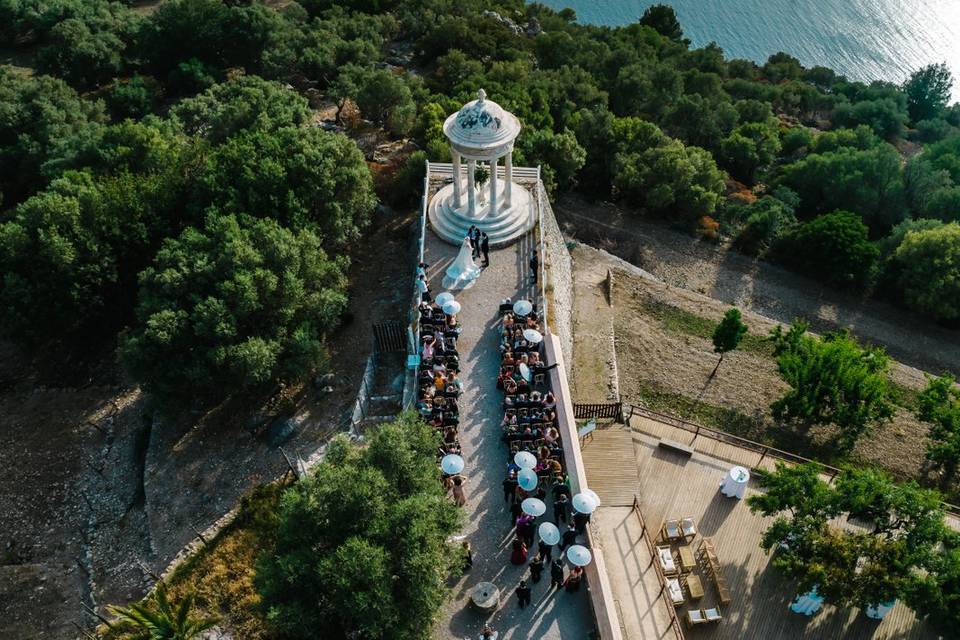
[
  {"x": 928, "y": 90},
  {"x": 833, "y": 248},
  {"x": 381, "y": 575},
  {"x": 926, "y": 265},
  {"x": 232, "y": 306},
  {"x": 888, "y": 538},
  {"x": 833, "y": 381}
]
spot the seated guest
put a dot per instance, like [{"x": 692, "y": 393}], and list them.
[
  {"x": 523, "y": 386},
  {"x": 509, "y": 420},
  {"x": 535, "y": 397},
  {"x": 508, "y": 360},
  {"x": 533, "y": 358},
  {"x": 428, "y": 348},
  {"x": 549, "y": 400},
  {"x": 551, "y": 436},
  {"x": 510, "y": 386},
  {"x": 508, "y": 322}
]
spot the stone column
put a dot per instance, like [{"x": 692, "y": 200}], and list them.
[
  {"x": 471, "y": 189},
  {"x": 493, "y": 186},
  {"x": 508, "y": 174},
  {"x": 456, "y": 180}
]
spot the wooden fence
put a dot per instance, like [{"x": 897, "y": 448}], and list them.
[
  {"x": 611, "y": 410},
  {"x": 389, "y": 336},
  {"x": 664, "y": 594}
]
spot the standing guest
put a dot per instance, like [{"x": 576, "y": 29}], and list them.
[
  {"x": 534, "y": 265},
  {"x": 580, "y": 521},
  {"x": 572, "y": 583},
  {"x": 485, "y": 248},
  {"x": 510, "y": 487},
  {"x": 556, "y": 573},
  {"x": 536, "y": 568},
  {"x": 523, "y": 594},
  {"x": 519, "y": 554},
  {"x": 459, "y": 497},
  {"x": 422, "y": 269},
  {"x": 561, "y": 509},
  {"x": 515, "y": 511},
  {"x": 526, "y": 529},
  {"x": 546, "y": 550},
  {"x": 488, "y": 633},
  {"x": 568, "y": 538},
  {"x": 423, "y": 287}
]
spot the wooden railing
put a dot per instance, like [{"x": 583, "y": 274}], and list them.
[
  {"x": 611, "y": 410},
  {"x": 675, "y": 625},
  {"x": 764, "y": 451}
]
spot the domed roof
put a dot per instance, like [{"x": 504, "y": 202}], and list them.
[{"x": 481, "y": 124}]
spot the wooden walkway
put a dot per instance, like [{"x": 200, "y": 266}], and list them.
[
  {"x": 673, "y": 485},
  {"x": 611, "y": 465}
]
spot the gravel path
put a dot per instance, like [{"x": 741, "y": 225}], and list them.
[{"x": 683, "y": 261}]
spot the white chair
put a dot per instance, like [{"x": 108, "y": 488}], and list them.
[
  {"x": 688, "y": 527},
  {"x": 666, "y": 560},
  {"x": 671, "y": 530},
  {"x": 676, "y": 592},
  {"x": 695, "y": 616},
  {"x": 712, "y": 615}
]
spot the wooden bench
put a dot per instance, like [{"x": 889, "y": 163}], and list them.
[
  {"x": 673, "y": 445},
  {"x": 709, "y": 555}
]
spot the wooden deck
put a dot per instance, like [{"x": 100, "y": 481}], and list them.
[
  {"x": 611, "y": 465},
  {"x": 675, "y": 486}
]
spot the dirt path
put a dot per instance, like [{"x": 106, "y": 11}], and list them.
[
  {"x": 594, "y": 373},
  {"x": 683, "y": 261}
]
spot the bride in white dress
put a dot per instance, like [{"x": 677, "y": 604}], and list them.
[{"x": 463, "y": 271}]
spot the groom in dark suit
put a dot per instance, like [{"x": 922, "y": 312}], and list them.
[
  {"x": 475, "y": 240},
  {"x": 472, "y": 235}
]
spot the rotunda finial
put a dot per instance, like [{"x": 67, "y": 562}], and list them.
[{"x": 481, "y": 95}]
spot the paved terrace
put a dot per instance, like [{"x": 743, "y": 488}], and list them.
[
  {"x": 552, "y": 614},
  {"x": 671, "y": 485}
]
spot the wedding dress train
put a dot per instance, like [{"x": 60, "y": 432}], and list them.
[{"x": 462, "y": 273}]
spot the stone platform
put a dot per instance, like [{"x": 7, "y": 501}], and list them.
[{"x": 503, "y": 226}]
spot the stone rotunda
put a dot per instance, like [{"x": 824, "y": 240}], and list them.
[{"x": 482, "y": 132}]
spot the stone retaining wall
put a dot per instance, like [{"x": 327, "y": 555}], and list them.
[
  {"x": 559, "y": 283},
  {"x": 598, "y": 582}
]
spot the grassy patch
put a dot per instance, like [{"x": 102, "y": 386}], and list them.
[
  {"x": 221, "y": 574},
  {"x": 683, "y": 407},
  {"x": 757, "y": 429},
  {"x": 683, "y": 322},
  {"x": 904, "y": 396}
]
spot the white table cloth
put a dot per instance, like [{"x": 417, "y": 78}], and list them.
[
  {"x": 734, "y": 484},
  {"x": 878, "y": 612},
  {"x": 808, "y": 603}
]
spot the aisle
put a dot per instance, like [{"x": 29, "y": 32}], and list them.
[{"x": 551, "y": 615}]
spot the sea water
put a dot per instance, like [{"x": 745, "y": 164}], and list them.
[{"x": 861, "y": 39}]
